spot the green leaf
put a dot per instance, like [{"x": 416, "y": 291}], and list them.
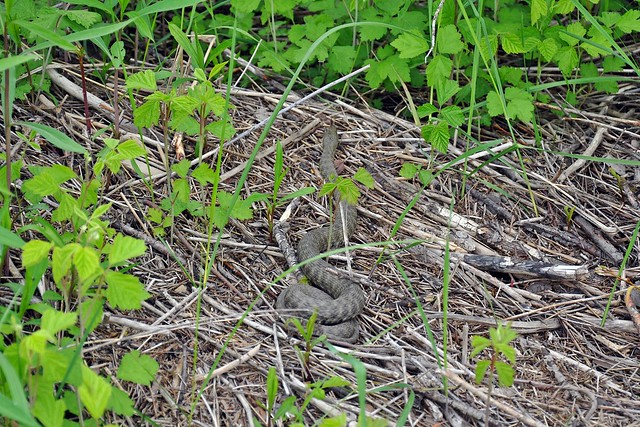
[
  {"x": 61, "y": 261},
  {"x": 245, "y": 6},
  {"x": 437, "y": 135},
  {"x": 35, "y": 251},
  {"x": 130, "y": 149},
  {"x": 449, "y": 40},
  {"x": 446, "y": 89},
  {"x": 612, "y": 64},
  {"x": 272, "y": 387},
  {"x": 47, "y": 181},
  {"x": 83, "y": 17},
  {"x": 519, "y": 104},
  {"x": 55, "y": 137},
  {"x": 567, "y": 59},
  {"x": 369, "y": 33},
  {"x": 506, "y": 374},
  {"x": 121, "y": 403},
  {"x": 438, "y": 69},
  {"x": 15, "y": 408},
  {"x": 341, "y": 59},
  {"x": 125, "y": 291},
  {"x": 10, "y": 239},
  {"x": 94, "y": 392},
  {"x": 408, "y": 170},
  {"x": 453, "y": 115},
  {"x": 548, "y": 48},
  {"x": 86, "y": 262},
  {"x": 54, "y": 321},
  {"x": 138, "y": 368},
  {"x": 481, "y": 370},
  {"x": 145, "y": 80},
  {"x": 364, "y": 177},
  {"x": 575, "y": 28},
  {"x": 204, "y": 174},
  {"x": 539, "y": 9},
  {"x": 512, "y": 43},
  {"x": 425, "y": 110},
  {"x": 410, "y": 45},
  {"x": 147, "y": 114},
  {"x": 125, "y": 247},
  {"x": 629, "y": 22},
  {"x": 181, "y": 168}
]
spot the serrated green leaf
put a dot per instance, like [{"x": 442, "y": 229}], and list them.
[
  {"x": 410, "y": 45},
  {"x": 125, "y": 247},
  {"x": 481, "y": 370},
  {"x": 181, "y": 168},
  {"x": 425, "y": 110},
  {"x": 86, "y": 262},
  {"x": 54, "y": 321},
  {"x": 438, "y": 69},
  {"x": 94, "y": 392},
  {"x": 147, "y": 114},
  {"x": 506, "y": 374},
  {"x": 446, "y": 89},
  {"x": 453, "y": 115},
  {"x": 61, "y": 261},
  {"x": 596, "y": 46},
  {"x": 364, "y": 177},
  {"x": 629, "y": 22},
  {"x": 142, "y": 80},
  {"x": 512, "y": 43},
  {"x": 548, "y": 48},
  {"x": 573, "y": 29},
  {"x": 121, "y": 403},
  {"x": 130, "y": 149},
  {"x": 408, "y": 170},
  {"x": 567, "y": 60},
  {"x": 449, "y": 40},
  {"x": 83, "y": 17},
  {"x": 34, "y": 252},
  {"x": 539, "y": 9},
  {"x": 612, "y": 64},
  {"x": 138, "y": 368},
  {"x": 245, "y": 6},
  {"x": 519, "y": 104},
  {"x": 341, "y": 59},
  {"x": 437, "y": 135},
  {"x": 125, "y": 291},
  {"x": 204, "y": 174},
  {"x": 348, "y": 190}
]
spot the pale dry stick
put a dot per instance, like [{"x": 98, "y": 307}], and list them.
[
  {"x": 589, "y": 114},
  {"x": 604, "y": 125},
  {"x": 247, "y": 65},
  {"x": 546, "y": 308},
  {"x": 602, "y": 378},
  {"x": 237, "y": 362},
  {"x": 579, "y": 163},
  {"x": 237, "y": 391},
  {"x": 456, "y": 379}
]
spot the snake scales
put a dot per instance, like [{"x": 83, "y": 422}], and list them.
[{"x": 336, "y": 298}]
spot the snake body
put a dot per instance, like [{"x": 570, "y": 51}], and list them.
[{"x": 336, "y": 298}]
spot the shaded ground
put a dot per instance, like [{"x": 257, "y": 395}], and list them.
[{"x": 569, "y": 370}]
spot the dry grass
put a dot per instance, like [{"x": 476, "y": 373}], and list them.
[{"x": 570, "y": 370}]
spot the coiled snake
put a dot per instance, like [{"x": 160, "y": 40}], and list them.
[{"x": 337, "y": 299}]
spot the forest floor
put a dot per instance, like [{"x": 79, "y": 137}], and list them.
[{"x": 535, "y": 239}]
